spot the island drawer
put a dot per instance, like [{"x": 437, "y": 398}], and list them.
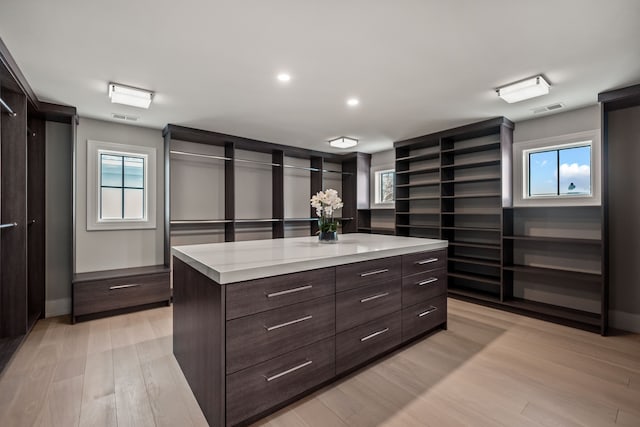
[
  {"x": 255, "y": 296},
  {"x": 424, "y": 286},
  {"x": 259, "y": 388},
  {"x": 263, "y": 336},
  {"x": 367, "y": 273},
  {"x": 365, "y": 342},
  {"x": 423, "y": 261},
  {"x": 423, "y": 317},
  {"x": 97, "y": 296},
  {"x": 361, "y": 305}
]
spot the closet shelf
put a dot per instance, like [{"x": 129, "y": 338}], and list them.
[
  {"x": 473, "y": 149},
  {"x": 419, "y": 184},
  {"x": 472, "y": 294},
  {"x": 473, "y": 196},
  {"x": 423, "y": 226},
  {"x": 568, "y": 240},
  {"x": 475, "y": 277},
  {"x": 419, "y": 170},
  {"x": 465, "y": 165},
  {"x": 493, "y": 230},
  {"x": 416, "y": 157},
  {"x": 475, "y": 245},
  {"x": 199, "y": 221},
  {"x": 475, "y": 212},
  {"x": 472, "y": 179},
  {"x": 420, "y": 212},
  {"x": 475, "y": 261},
  {"x": 533, "y": 307},
  {"x": 409, "y": 199},
  {"x": 567, "y": 274}
]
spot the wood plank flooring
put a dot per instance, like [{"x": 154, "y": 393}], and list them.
[{"x": 489, "y": 369}]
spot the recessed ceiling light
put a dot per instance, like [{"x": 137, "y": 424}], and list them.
[
  {"x": 284, "y": 77},
  {"x": 352, "y": 102},
  {"x": 524, "y": 89},
  {"x": 127, "y": 95},
  {"x": 343, "y": 142}
]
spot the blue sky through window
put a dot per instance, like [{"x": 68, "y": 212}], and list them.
[{"x": 573, "y": 178}]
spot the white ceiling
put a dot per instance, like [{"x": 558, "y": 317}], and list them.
[{"x": 417, "y": 66}]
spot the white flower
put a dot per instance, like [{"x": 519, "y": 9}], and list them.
[{"x": 326, "y": 202}]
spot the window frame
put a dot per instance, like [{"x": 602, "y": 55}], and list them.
[
  {"x": 377, "y": 200},
  {"x": 521, "y": 153},
  {"x": 95, "y": 149}
]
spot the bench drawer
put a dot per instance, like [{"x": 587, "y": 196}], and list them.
[
  {"x": 423, "y": 261},
  {"x": 423, "y": 317},
  {"x": 367, "y": 273},
  {"x": 361, "y": 305},
  {"x": 422, "y": 287}
]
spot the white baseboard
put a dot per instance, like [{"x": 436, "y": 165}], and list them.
[
  {"x": 57, "y": 307},
  {"x": 624, "y": 321}
]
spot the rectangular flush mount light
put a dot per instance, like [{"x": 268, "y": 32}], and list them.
[
  {"x": 343, "y": 142},
  {"x": 128, "y": 95},
  {"x": 525, "y": 89}
]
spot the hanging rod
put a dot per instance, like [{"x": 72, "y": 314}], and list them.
[
  {"x": 199, "y": 221},
  {"x": 9, "y": 225},
  {"x": 211, "y": 156},
  {"x": 6, "y": 107}
]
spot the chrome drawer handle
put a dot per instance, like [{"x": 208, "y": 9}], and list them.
[
  {"x": 288, "y": 371},
  {"x": 291, "y": 322},
  {"x": 9, "y": 225},
  {"x": 375, "y": 334},
  {"x": 426, "y": 261},
  {"x": 426, "y": 282},
  {"x": 371, "y": 273},
  {"x": 431, "y": 310},
  {"x": 374, "y": 297},
  {"x": 289, "y": 291},
  {"x": 133, "y": 285}
]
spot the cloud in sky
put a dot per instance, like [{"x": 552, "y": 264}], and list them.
[{"x": 579, "y": 175}]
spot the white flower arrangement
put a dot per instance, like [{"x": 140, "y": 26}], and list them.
[{"x": 326, "y": 203}]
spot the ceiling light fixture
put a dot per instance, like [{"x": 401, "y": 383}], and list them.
[
  {"x": 524, "y": 89},
  {"x": 284, "y": 77},
  {"x": 352, "y": 102},
  {"x": 128, "y": 95},
  {"x": 343, "y": 142}
]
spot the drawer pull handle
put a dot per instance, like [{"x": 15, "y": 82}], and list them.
[
  {"x": 371, "y": 273},
  {"x": 427, "y": 261},
  {"x": 373, "y": 335},
  {"x": 371, "y": 298},
  {"x": 289, "y": 323},
  {"x": 429, "y": 280},
  {"x": 431, "y": 310},
  {"x": 288, "y": 371},
  {"x": 289, "y": 291},
  {"x": 132, "y": 285}
]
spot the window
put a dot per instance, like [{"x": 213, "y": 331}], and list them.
[
  {"x": 558, "y": 171},
  {"x": 563, "y": 171},
  {"x": 385, "y": 186},
  {"x": 120, "y": 186}
]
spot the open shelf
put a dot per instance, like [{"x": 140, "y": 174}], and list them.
[
  {"x": 567, "y": 274},
  {"x": 475, "y": 261},
  {"x": 568, "y": 240},
  {"x": 475, "y": 212},
  {"x": 473, "y": 179},
  {"x": 474, "y": 148},
  {"x": 415, "y": 158},
  {"x": 470, "y": 294},
  {"x": 475, "y": 277},
  {"x": 555, "y": 311},
  {"x": 425, "y": 227},
  {"x": 421, "y": 212},
  {"x": 408, "y": 199},
  {"x": 419, "y": 184},
  {"x": 472, "y": 229},
  {"x": 419, "y": 170},
  {"x": 464, "y": 165},
  {"x": 475, "y": 245},
  {"x": 473, "y": 196}
]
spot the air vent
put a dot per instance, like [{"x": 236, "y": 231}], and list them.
[
  {"x": 552, "y": 107},
  {"x": 124, "y": 117}
]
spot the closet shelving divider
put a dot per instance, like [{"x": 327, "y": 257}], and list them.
[{"x": 355, "y": 167}]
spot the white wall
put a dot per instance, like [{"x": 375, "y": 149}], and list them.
[
  {"x": 106, "y": 250},
  {"x": 58, "y": 219},
  {"x": 574, "y": 121}
]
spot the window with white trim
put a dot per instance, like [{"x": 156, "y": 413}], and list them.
[
  {"x": 120, "y": 186},
  {"x": 385, "y": 186},
  {"x": 558, "y": 171}
]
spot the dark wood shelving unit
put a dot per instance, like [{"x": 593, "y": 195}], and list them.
[
  {"x": 566, "y": 274},
  {"x": 354, "y": 173}
]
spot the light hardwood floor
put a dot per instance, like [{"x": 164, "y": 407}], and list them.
[{"x": 489, "y": 369}]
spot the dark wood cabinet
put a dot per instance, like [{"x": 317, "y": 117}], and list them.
[
  {"x": 102, "y": 293},
  {"x": 248, "y": 348}
]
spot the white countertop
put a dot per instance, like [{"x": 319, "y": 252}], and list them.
[{"x": 238, "y": 261}]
